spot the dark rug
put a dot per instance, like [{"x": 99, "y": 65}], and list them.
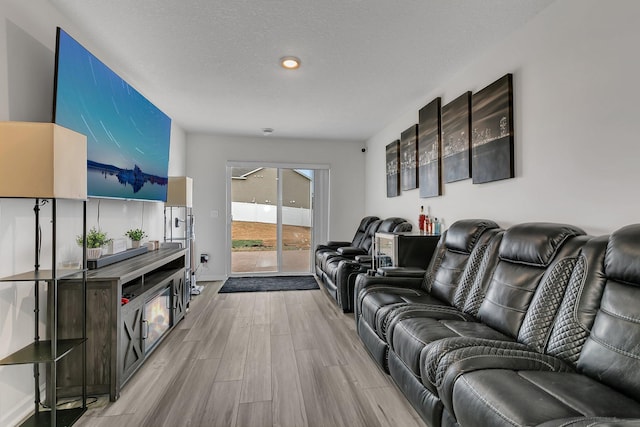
[{"x": 266, "y": 284}]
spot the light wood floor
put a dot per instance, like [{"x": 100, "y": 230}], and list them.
[{"x": 259, "y": 359}]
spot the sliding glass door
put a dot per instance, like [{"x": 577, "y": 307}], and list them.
[
  {"x": 271, "y": 219},
  {"x": 254, "y": 220},
  {"x": 296, "y": 220}
]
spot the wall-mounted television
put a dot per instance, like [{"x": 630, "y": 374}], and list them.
[{"x": 127, "y": 136}]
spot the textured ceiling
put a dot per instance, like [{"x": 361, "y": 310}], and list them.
[{"x": 212, "y": 65}]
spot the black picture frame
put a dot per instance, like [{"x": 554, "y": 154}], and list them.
[
  {"x": 492, "y": 132},
  {"x": 429, "y": 150},
  {"x": 456, "y": 141},
  {"x": 393, "y": 168},
  {"x": 409, "y": 158}
]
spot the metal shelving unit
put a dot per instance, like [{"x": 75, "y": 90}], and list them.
[
  {"x": 50, "y": 351},
  {"x": 178, "y": 229}
]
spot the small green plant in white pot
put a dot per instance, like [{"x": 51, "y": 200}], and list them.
[
  {"x": 135, "y": 234},
  {"x": 96, "y": 239}
]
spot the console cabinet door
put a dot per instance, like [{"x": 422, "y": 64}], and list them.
[
  {"x": 131, "y": 352},
  {"x": 178, "y": 296}
]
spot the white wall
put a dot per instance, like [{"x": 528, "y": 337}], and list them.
[
  {"x": 576, "y": 96},
  {"x": 207, "y": 156},
  {"x": 27, "y": 45}
]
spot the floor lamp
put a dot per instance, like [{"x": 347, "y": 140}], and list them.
[{"x": 46, "y": 162}]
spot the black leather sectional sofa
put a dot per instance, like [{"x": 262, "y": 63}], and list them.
[
  {"x": 536, "y": 325},
  {"x": 337, "y": 266}
]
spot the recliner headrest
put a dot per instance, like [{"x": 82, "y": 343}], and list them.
[
  {"x": 373, "y": 227},
  {"x": 622, "y": 259},
  {"x": 403, "y": 227},
  {"x": 390, "y": 224},
  {"x": 535, "y": 243},
  {"x": 463, "y": 235},
  {"x": 366, "y": 221}
]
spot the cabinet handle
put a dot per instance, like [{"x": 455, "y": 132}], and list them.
[{"x": 145, "y": 329}]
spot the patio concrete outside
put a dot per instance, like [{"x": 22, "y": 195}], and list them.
[{"x": 296, "y": 242}]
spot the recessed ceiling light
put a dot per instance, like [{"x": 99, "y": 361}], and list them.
[{"x": 290, "y": 62}]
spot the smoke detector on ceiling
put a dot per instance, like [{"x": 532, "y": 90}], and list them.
[{"x": 267, "y": 131}]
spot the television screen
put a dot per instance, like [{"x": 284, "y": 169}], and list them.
[{"x": 127, "y": 136}]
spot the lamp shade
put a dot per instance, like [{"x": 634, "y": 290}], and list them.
[
  {"x": 42, "y": 160},
  {"x": 180, "y": 191}
]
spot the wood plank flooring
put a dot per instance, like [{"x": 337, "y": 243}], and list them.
[{"x": 259, "y": 359}]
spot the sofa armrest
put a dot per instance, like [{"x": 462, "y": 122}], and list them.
[
  {"x": 458, "y": 362},
  {"x": 364, "y": 259},
  {"x": 434, "y": 353},
  {"x": 335, "y": 244},
  {"x": 401, "y": 272},
  {"x": 346, "y": 275},
  {"x": 364, "y": 281},
  {"x": 351, "y": 251}
]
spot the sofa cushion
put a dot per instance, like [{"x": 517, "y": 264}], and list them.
[
  {"x": 535, "y": 243},
  {"x": 394, "y": 224},
  {"x": 516, "y": 279},
  {"x": 579, "y": 306},
  {"x": 361, "y": 233},
  {"x": 409, "y": 337},
  {"x": 611, "y": 352},
  {"x": 622, "y": 261},
  {"x": 376, "y": 304},
  {"x": 498, "y": 397},
  {"x": 463, "y": 235}
]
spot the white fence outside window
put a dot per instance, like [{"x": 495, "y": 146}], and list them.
[{"x": 255, "y": 212}]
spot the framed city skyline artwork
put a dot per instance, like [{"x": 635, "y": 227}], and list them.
[
  {"x": 456, "y": 143},
  {"x": 492, "y": 132},
  {"x": 409, "y": 158},
  {"x": 393, "y": 168},
  {"x": 429, "y": 158}
]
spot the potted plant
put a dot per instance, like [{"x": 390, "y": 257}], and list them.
[
  {"x": 135, "y": 234},
  {"x": 96, "y": 239}
]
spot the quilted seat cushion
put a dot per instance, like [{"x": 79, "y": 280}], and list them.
[
  {"x": 498, "y": 397},
  {"x": 377, "y": 303},
  {"x": 410, "y": 336}
]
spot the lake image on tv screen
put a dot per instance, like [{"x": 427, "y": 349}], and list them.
[{"x": 127, "y": 136}]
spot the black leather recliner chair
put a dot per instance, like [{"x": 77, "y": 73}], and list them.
[
  {"x": 338, "y": 272},
  {"x": 587, "y": 372},
  {"x": 333, "y": 245},
  {"x": 516, "y": 288},
  {"x": 548, "y": 335},
  {"x": 443, "y": 283}
]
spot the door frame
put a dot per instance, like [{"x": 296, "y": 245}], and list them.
[{"x": 319, "y": 209}]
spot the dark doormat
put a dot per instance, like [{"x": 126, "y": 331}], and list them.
[{"x": 266, "y": 284}]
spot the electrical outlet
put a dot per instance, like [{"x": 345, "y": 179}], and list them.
[{"x": 204, "y": 258}]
